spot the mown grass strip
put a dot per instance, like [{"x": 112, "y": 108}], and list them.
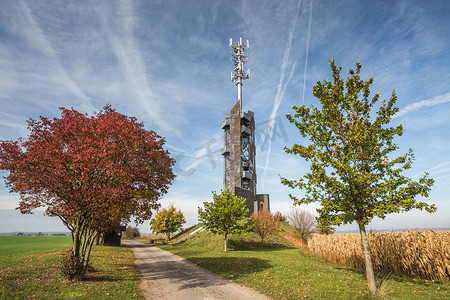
[
  {"x": 285, "y": 272},
  {"x": 32, "y": 272}
]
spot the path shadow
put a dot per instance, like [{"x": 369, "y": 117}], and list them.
[
  {"x": 95, "y": 275},
  {"x": 141, "y": 245},
  {"x": 242, "y": 245},
  {"x": 232, "y": 266},
  {"x": 187, "y": 274}
]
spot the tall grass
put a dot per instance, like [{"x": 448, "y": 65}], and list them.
[{"x": 420, "y": 253}]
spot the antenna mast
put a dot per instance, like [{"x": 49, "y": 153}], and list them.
[{"x": 238, "y": 57}]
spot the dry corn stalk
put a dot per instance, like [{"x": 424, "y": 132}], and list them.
[{"x": 420, "y": 253}]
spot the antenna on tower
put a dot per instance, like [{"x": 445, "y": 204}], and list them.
[{"x": 239, "y": 59}]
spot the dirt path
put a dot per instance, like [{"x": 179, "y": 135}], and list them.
[{"x": 168, "y": 276}]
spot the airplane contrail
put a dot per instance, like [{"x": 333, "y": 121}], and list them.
[
  {"x": 433, "y": 168},
  {"x": 425, "y": 103},
  {"x": 281, "y": 89},
  {"x": 307, "y": 52}
]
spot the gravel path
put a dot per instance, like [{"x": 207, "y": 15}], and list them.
[{"x": 168, "y": 276}]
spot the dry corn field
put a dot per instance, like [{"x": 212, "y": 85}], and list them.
[
  {"x": 153, "y": 236},
  {"x": 420, "y": 253}
]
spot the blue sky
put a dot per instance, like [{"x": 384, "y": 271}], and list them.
[{"x": 168, "y": 64}]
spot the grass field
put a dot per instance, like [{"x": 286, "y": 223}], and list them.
[
  {"x": 283, "y": 271},
  {"x": 29, "y": 269}
]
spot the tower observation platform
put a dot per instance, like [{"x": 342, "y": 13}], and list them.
[{"x": 239, "y": 149}]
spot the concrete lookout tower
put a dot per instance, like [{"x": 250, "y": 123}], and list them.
[{"x": 239, "y": 137}]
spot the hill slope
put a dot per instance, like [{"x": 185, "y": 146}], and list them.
[{"x": 246, "y": 241}]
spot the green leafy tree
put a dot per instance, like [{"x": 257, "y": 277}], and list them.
[
  {"x": 226, "y": 215},
  {"x": 167, "y": 221},
  {"x": 324, "y": 228},
  {"x": 354, "y": 173}
]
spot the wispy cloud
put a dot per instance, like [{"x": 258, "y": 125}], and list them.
[
  {"x": 129, "y": 56},
  {"x": 36, "y": 36},
  {"x": 11, "y": 124},
  {"x": 434, "y": 168},
  {"x": 282, "y": 84},
  {"x": 441, "y": 99}
]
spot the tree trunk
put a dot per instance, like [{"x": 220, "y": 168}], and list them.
[
  {"x": 168, "y": 236},
  {"x": 77, "y": 237},
  {"x": 262, "y": 242},
  {"x": 87, "y": 250},
  {"x": 97, "y": 239},
  {"x": 225, "y": 249},
  {"x": 83, "y": 240},
  {"x": 76, "y": 244},
  {"x": 368, "y": 259}
]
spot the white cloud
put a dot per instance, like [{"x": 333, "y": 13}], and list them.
[
  {"x": 437, "y": 100},
  {"x": 12, "y": 126},
  {"x": 8, "y": 201}
]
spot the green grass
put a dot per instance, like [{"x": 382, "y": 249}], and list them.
[
  {"x": 30, "y": 270},
  {"x": 184, "y": 232},
  {"x": 282, "y": 271},
  {"x": 17, "y": 249}
]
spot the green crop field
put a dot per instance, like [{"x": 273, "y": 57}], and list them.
[
  {"x": 29, "y": 269},
  {"x": 16, "y": 249},
  {"x": 283, "y": 271}
]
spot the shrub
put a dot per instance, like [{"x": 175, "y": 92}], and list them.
[
  {"x": 303, "y": 222},
  {"x": 72, "y": 267},
  {"x": 281, "y": 218},
  {"x": 132, "y": 233},
  {"x": 265, "y": 224}
]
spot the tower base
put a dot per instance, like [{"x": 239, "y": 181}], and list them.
[{"x": 254, "y": 202}]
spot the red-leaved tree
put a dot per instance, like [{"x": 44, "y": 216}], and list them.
[
  {"x": 265, "y": 223},
  {"x": 92, "y": 172}
]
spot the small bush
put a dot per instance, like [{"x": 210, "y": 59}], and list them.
[
  {"x": 281, "y": 218},
  {"x": 132, "y": 233},
  {"x": 72, "y": 267},
  {"x": 303, "y": 222}
]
